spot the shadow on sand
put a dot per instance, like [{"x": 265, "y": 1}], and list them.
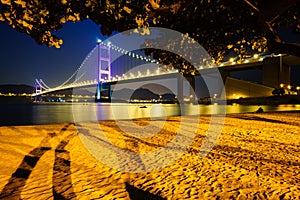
[{"x": 61, "y": 170}]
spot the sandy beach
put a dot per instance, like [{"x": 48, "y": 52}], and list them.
[{"x": 257, "y": 156}]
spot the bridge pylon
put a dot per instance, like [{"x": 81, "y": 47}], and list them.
[
  {"x": 104, "y": 73},
  {"x": 38, "y": 89}
]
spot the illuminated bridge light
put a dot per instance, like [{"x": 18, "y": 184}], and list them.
[
  {"x": 231, "y": 60},
  {"x": 161, "y": 69}
]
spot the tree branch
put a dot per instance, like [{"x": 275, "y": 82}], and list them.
[
  {"x": 270, "y": 32},
  {"x": 275, "y": 44},
  {"x": 250, "y": 5},
  {"x": 272, "y": 9},
  {"x": 174, "y": 8},
  {"x": 284, "y": 48}
]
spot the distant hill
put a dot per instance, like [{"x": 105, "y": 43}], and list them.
[
  {"x": 78, "y": 91},
  {"x": 20, "y": 89},
  {"x": 169, "y": 97},
  {"x": 123, "y": 94},
  {"x": 144, "y": 94},
  {"x": 84, "y": 92},
  {"x": 141, "y": 94},
  {"x": 17, "y": 89}
]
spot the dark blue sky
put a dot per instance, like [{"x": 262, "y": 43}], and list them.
[{"x": 22, "y": 60}]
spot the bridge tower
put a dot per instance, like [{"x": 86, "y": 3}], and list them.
[
  {"x": 38, "y": 89},
  {"x": 104, "y": 72}
]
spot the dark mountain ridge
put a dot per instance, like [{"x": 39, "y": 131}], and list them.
[{"x": 16, "y": 89}]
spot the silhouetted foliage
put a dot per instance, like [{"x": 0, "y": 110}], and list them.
[{"x": 242, "y": 26}]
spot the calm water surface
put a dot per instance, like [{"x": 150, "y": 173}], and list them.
[{"x": 50, "y": 113}]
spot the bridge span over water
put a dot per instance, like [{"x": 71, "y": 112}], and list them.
[{"x": 100, "y": 72}]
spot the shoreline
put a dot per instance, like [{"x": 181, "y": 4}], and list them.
[
  {"x": 206, "y": 115},
  {"x": 256, "y": 156}
]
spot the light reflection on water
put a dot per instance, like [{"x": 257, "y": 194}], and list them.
[{"x": 50, "y": 113}]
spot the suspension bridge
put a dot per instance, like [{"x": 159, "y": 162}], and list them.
[
  {"x": 99, "y": 71},
  {"x": 107, "y": 72}
]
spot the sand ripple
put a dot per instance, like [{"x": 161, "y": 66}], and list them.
[{"x": 256, "y": 157}]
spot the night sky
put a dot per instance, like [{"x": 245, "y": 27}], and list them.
[{"x": 22, "y": 60}]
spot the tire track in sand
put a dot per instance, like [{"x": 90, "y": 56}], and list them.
[{"x": 22, "y": 178}]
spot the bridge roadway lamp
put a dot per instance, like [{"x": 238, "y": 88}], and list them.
[{"x": 119, "y": 142}]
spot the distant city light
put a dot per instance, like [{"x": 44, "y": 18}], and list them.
[{"x": 281, "y": 85}]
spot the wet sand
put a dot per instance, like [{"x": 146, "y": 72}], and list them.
[{"x": 256, "y": 156}]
